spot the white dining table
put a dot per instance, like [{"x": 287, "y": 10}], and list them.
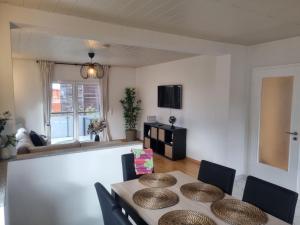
[{"x": 125, "y": 191}]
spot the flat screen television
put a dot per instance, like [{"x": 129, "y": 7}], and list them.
[{"x": 170, "y": 96}]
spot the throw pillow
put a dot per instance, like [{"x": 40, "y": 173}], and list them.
[
  {"x": 21, "y": 134},
  {"x": 143, "y": 161},
  {"x": 36, "y": 139},
  {"x": 24, "y": 142}
]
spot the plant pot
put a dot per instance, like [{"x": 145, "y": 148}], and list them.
[
  {"x": 3, "y": 140},
  {"x": 130, "y": 134},
  {"x": 5, "y": 153},
  {"x": 97, "y": 138}
]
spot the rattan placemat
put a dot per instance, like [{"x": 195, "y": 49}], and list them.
[
  {"x": 158, "y": 180},
  {"x": 201, "y": 192},
  {"x": 237, "y": 212},
  {"x": 185, "y": 217},
  {"x": 155, "y": 198}
]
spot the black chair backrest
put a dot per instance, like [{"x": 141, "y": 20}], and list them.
[
  {"x": 107, "y": 204},
  {"x": 217, "y": 175},
  {"x": 128, "y": 167},
  {"x": 273, "y": 199},
  {"x": 119, "y": 218}
]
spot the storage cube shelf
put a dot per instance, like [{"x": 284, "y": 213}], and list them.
[
  {"x": 168, "y": 151},
  {"x": 153, "y": 132},
  {"x": 161, "y": 135},
  {"x": 165, "y": 140},
  {"x": 147, "y": 142}
]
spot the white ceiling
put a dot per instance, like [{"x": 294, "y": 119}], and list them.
[
  {"x": 245, "y": 22},
  {"x": 33, "y": 44}
]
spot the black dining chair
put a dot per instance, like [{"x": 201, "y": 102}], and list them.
[
  {"x": 107, "y": 204},
  {"x": 217, "y": 175},
  {"x": 128, "y": 167},
  {"x": 273, "y": 199},
  {"x": 119, "y": 218}
]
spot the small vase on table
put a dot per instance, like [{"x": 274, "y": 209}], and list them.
[
  {"x": 96, "y": 127},
  {"x": 97, "y": 138}
]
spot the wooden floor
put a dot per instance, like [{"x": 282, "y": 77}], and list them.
[{"x": 187, "y": 166}]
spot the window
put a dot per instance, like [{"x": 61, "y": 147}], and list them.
[
  {"x": 74, "y": 105},
  {"x": 88, "y": 107}
]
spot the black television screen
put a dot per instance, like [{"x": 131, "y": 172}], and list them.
[{"x": 170, "y": 96}]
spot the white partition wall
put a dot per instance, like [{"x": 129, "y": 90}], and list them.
[{"x": 59, "y": 190}]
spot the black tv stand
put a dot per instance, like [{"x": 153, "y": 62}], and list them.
[{"x": 165, "y": 140}]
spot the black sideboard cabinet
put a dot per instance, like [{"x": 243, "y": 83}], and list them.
[{"x": 165, "y": 140}]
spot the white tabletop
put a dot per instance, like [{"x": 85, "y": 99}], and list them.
[{"x": 126, "y": 190}]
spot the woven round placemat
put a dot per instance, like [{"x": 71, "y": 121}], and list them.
[
  {"x": 185, "y": 217},
  {"x": 155, "y": 198},
  {"x": 237, "y": 212},
  {"x": 201, "y": 192},
  {"x": 158, "y": 180}
]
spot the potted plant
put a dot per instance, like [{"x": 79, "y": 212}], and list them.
[
  {"x": 7, "y": 148},
  {"x": 96, "y": 127},
  {"x": 131, "y": 110},
  {"x": 7, "y": 142}
]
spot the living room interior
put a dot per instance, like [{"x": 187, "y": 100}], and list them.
[{"x": 231, "y": 67}]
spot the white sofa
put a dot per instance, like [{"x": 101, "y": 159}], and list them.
[{"x": 25, "y": 145}]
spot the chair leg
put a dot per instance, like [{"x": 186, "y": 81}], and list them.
[{"x": 125, "y": 213}]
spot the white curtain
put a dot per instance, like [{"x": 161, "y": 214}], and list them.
[
  {"x": 104, "y": 106},
  {"x": 46, "y": 71}
]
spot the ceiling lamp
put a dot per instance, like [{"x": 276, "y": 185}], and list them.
[{"x": 91, "y": 70}]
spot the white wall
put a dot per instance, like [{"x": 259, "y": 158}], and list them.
[
  {"x": 274, "y": 53},
  {"x": 28, "y": 93},
  {"x": 206, "y": 83},
  {"x": 60, "y": 189},
  {"x": 120, "y": 78},
  {"x": 6, "y": 79},
  {"x": 239, "y": 100}
]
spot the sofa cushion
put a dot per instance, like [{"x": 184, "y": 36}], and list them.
[
  {"x": 37, "y": 140},
  {"x": 75, "y": 144},
  {"x": 21, "y": 133},
  {"x": 22, "y": 149},
  {"x": 24, "y": 142}
]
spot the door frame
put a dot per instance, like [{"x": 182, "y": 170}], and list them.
[{"x": 264, "y": 171}]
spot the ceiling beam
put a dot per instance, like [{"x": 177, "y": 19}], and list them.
[{"x": 71, "y": 26}]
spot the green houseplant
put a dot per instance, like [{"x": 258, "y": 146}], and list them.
[
  {"x": 131, "y": 110},
  {"x": 6, "y": 141}
]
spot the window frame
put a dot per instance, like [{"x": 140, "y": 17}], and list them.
[
  {"x": 77, "y": 113},
  {"x": 75, "y": 98}
]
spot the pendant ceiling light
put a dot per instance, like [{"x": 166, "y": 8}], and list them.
[{"x": 91, "y": 70}]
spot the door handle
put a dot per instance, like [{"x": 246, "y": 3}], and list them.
[{"x": 292, "y": 133}]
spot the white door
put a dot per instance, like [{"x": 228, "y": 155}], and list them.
[{"x": 275, "y": 124}]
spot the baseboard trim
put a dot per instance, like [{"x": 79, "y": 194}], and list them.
[
  {"x": 124, "y": 140},
  {"x": 241, "y": 177},
  {"x": 193, "y": 160}
]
